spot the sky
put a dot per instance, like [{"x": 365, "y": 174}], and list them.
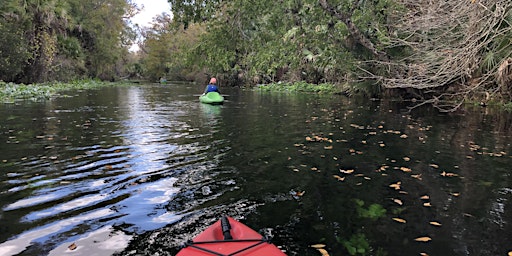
[{"x": 151, "y": 9}]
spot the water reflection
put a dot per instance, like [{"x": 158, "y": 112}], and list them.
[{"x": 155, "y": 165}]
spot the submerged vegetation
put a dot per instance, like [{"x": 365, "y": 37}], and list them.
[{"x": 10, "y": 92}]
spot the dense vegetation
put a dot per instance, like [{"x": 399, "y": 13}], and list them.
[
  {"x": 433, "y": 51},
  {"x": 48, "y": 40}
]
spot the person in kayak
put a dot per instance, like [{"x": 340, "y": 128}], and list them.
[{"x": 212, "y": 86}]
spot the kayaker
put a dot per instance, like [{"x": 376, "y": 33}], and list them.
[{"x": 212, "y": 86}]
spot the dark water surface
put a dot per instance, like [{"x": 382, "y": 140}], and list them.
[{"x": 140, "y": 170}]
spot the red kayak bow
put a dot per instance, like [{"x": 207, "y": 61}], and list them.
[{"x": 228, "y": 237}]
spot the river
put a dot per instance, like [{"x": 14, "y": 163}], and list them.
[{"x": 139, "y": 170}]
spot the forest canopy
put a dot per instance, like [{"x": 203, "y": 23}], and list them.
[{"x": 433, "y": 51}]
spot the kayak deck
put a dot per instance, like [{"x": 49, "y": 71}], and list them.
[
  {"x": 211, "y": 98},
  {"x": 230, "y": 237}
]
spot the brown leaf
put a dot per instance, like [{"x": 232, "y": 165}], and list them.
[
  {"x": 72, "y": 246},
  {"x": 347, "y": 171},
  {"x": 405, "y": 169},
  {"x": 427, "y": 204},
  {"x": 399, "y": 220},
  {"x": 323, "y": 252},
  {"x": 300, "y": 193},
  {"x": 396, "y": 186},
  {"x": 398, "y": 201},
  {"x": 423, "y": 239},
  {"x": 435, "y": 223},
  {"x": 339, "y": 178},
  {"x": 328, "y": 147},
  {"x": 423, "y": 254},
  {"x": 317, "y": 246},
  {"x": 425, "y": 197},
  {"x": 434, "y": 166}
]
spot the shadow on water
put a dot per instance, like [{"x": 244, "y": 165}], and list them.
[{"x": 141, "y": 170}]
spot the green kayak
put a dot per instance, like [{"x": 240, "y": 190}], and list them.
[{"x": 211, "y": 98}]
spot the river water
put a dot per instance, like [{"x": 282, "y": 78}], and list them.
[{"x": 139, "y": 170}]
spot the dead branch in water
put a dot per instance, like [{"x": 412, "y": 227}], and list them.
[{"x": 448, "y": 41}]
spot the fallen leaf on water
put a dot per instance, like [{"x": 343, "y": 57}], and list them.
[
  {"x": 423, "y": 254},
  {"x": 328, "y": 147},
  {"x": 72, "y": 246},
  {"x": 398, "y": 201},
  {"x": 396, "y": 186},
  {"x": 399, "y": 220},
  {"x": 416, "y": 176},
  {"x": 455, "y": 194},
  {"x": 403, "y": 136},
  {"x": 407, "y": 159},
  {"x": 448, "y": 174},
  {"x": 425, "y": 197},
  {"x": 427, "y": 204},
  {"x": 317, "y": 246},
  {"x": 435, "y": 223},
  {"x": 423, "y": 239},
  {"x": 510, "y": 253},
  {"x": 347, "y": 171},
  {"x": 405, "y": 169},
  {"x": 323, "y": 252},
  {"x": 434, "y": 165},
  {"x": 300, "y": 193},
  {"x": 339, "y": 178}
]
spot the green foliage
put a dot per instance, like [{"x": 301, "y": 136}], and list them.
[
  {"x": 299, "y": 87},
  {"x": 10, "y": 92},
  {"x": 44, "y": 40},
  {"x": 357, "y": 245},
  {"x": 373, "y": 212}
]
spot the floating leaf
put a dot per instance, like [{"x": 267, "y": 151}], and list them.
[
  {"x": 448, "y": 174},
  {"x": 396, "y": 186},
  {"x": 300, "y": 193},
  {"x": 435, "y": 223},
  {"x": 416, "y": 176},
  {"x": 323, "y": 252},
  {"x": 399, "y": 220},
  {"x": 405, "y": 169},
  {"x": 72, "y": 246},
  {"x": 427, "y": 204},
  {"x": 423, "y": 239},
  {"x": 317, "y": 246},
  {"x": 398, "y": 201},
  {"x": 510, "y": 253},
  {"x": 339, "y": 178},
  {"x": 425, "y": 197},
  {"x": 434, "y": 166},
  {"x": 347, "y": 171},
  {"x": 403, "y": 136},
  {"x": 328, "y": 147},
  {"x": 455, "y": 194},
  {"x": 407, "y": 159},
  {"x": 423, "y": 254}
]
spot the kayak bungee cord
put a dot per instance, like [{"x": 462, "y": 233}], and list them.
[{"x": 259, "y": 242}]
